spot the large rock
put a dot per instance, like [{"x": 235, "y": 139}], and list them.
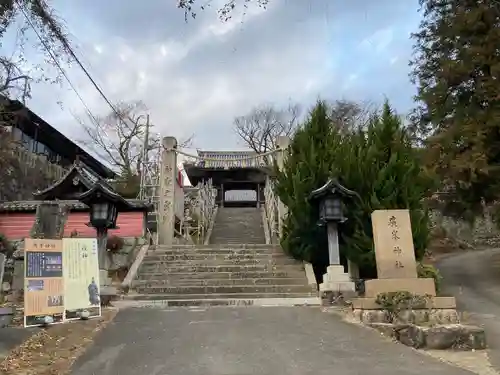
[
  {"x": 441, "y": 337},
  {"x": 413, "y": 336},
  {"x": 455, "y": 336}
]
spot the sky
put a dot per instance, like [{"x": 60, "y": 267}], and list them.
[{"x": 196, "y": 76}]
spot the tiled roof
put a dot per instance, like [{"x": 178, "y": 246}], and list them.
[
  {"x": 229, "y": 159},
  {"x": 226, "y": 154},
  {"x": 25, "y": 206},
  {"x": 83, "y": 175}
]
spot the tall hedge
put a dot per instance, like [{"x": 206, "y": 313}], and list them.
[{"x": 377, "y": 161}]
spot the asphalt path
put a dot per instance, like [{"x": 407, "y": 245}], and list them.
[
  {"x": 473, "y": 277},
  {"x": 248, "y": 341}
]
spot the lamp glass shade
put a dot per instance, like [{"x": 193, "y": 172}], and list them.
[{"x": 100, "y": 211}]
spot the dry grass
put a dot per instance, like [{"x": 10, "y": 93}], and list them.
[{"x": 53, "y": 351}]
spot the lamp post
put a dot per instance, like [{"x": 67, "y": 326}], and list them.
[
  {"x": 104, "y": 206},
  {"x": 330, "y": 199}
]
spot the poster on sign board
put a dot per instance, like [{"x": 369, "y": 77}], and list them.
[
  {"x": 43, "y": 281},
  {"x": 81, "y": 277}
]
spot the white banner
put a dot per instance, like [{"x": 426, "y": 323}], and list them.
[{"x": 81, "y": 277}]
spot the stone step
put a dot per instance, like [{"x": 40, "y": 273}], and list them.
[
  {"x": 298, "y": 273},
  {"x": 219, "y": 282},
  {"x": 215, "y": 257},
  {"x": 218, "y": 253},
  {"x": 166, "y": 268},
  {"x": 218, "y": 296},
  {"x": 221, "y": 262},
  {"x": 235, "y": 246},
  {"x": 220, "y": 302},
  {"x": 236, "y": 224},
  {"x": 224, "y": 289}
]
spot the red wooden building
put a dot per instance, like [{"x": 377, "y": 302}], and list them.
[{"x": 17, "y": 218}]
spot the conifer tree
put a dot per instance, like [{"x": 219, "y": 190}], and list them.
[
  {"x": 457, "y": 70},
  {"x": 306, "y": 168},
  {"x": 383, "y": 167},
  {"x": 377, "y": 161}
]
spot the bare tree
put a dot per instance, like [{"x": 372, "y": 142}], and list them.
[
  {"x": 18, "y": 178},
  {"x": 262, "y": 125},
  {"x": 36, "y": 25},
  {"x": 119, "y": 136},
  {"x": 347, "y": 115}
]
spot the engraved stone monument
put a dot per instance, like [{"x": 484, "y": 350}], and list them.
[
  {"x": 395, "y": 256},
  {"x": 396, "y": 264}
]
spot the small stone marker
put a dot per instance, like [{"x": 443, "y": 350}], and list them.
[{"x": 393, "y": 240}]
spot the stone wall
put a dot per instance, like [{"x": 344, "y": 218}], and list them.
[
  {"x": 483, "y": 233},
  {"x": 126, "y": 256}
]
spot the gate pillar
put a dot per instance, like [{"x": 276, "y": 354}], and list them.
[{"x": 168, "y": 175}]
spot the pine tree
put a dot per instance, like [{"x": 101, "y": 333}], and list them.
[{"x": 457, "y": 70}]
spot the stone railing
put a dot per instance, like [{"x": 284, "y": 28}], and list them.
[
  {"x": 199, "y": 212},
  {"x": 271, "y": 211},
  {"x": 274, "y": 210}
]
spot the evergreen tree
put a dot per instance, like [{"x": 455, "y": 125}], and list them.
[
  {"x": 377, "y": 161},
  {"x": 305, "y": 169},
  {"x": 383, "y": 167},
  {"x": 457, "y": 69}
]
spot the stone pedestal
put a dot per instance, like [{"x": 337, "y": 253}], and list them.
[
  {"x": 417, "y": 286},
  {"x": 438, "y": 310},
  {"x": 336, "y": 280}
]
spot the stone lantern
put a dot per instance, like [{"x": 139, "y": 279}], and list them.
[
  {"x": 104, "y": 206},
  {"x": 330, "y": 199}
]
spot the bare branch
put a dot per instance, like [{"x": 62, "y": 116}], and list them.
[
  {"x": 118, "y": 137},
  {"x": 21, "y": 172},
  {"x": 225, "y": 11},
  {"x": 186, "y": 143},
  {"x": 260, "y": 128},
  {"x": 348, "y": 115}
]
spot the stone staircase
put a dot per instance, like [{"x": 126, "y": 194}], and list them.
[
  {"x": 240, "y": 225},
  {"x": 224, "y": 272}
]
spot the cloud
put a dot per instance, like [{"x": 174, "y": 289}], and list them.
[
  {"x": 196, "y": 77},
  {"x": 379, "y": 40},
  {"x": 394, "y": 60}
]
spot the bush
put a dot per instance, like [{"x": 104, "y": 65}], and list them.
[
  {"x": 377, "y": 161},
  {"x": 430, "y": 272},
  {"x": 115, "y": 244}
]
